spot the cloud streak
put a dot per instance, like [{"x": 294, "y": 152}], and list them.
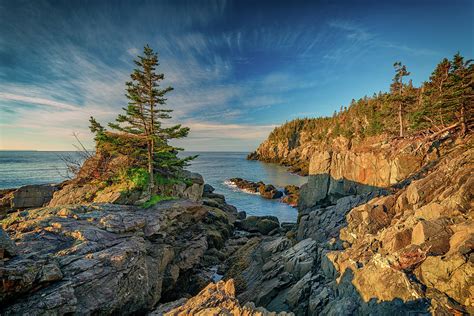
[{"x": 236, "y": 72}]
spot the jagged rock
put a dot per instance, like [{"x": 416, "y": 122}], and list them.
[
  {"x": 433, "y": 235},
  {"x": 218, "y": 299},
  {"x": 105, "y": 258}
]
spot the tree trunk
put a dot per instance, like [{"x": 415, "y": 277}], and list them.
[
  {"x": 400, "y": 118},
  {"x": 151, "y": 185},
  {"x": 463, "y": 119}
]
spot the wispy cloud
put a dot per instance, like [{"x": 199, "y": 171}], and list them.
[{"x": 232, "y": 68}]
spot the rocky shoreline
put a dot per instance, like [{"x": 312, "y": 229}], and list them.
[{"x": 362, "y": 245}]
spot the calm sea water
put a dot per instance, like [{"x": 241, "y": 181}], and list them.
[{"x": 18, "y": 168}]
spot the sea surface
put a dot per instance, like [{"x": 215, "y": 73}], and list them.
[{"x": 18, "y": 168}]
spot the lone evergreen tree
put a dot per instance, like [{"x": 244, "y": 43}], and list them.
[
  {"x": 142, "y": 123},
  {"x": 397, "y": 87}
]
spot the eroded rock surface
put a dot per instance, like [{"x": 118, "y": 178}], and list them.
[{"x": 105, "y": 258}]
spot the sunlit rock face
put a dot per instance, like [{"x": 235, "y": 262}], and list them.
[
  {"x": 215, "y": 299},
  {"x": 338, "y": 170}
]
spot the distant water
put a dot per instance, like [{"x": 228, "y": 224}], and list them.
[{"x": 18, "y": 168}]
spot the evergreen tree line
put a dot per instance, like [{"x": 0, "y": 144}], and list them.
[{"x": 444, "y": 102}]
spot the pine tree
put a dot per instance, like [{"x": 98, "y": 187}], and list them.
[
  {"x": 397, "y": 89},
  {"x": 142, "y": 123},
  {"x": 460, "y": 91}
]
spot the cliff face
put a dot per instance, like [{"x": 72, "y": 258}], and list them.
[
  {"x": 294, "y": 151},
  {"x": 338, "y": 170}
]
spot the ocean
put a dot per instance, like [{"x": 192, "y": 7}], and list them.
[{"x": 18, "y": 168}]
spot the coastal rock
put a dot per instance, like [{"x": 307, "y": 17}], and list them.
[
  {"x": 217, "y": 299},
  {"x": 391, "y": 237},
  {"x": 30, "y": 196},
  {"x": 7, "y": 247},
  {"x": 268, "y": 191},
  {"x": 260, "y": 224},
  {"x": 105, "y": 258}
]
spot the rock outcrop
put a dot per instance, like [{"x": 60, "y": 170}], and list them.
[
  {"x": 215, "y": 299},
  {"x": 108, "y": 259}
]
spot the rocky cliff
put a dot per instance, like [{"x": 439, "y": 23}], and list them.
[{"x": 407, "y": 249}]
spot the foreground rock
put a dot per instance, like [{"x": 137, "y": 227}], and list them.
[
  {"x": 107, "y": 259},
  {"x": 215, "y": 299}
]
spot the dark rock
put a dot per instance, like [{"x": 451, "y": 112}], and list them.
[
  {"x": 32, "y": 196},
  {"x": 261, "y": 224},
  {"x": 241, "y": 215},
  {"x": 208, "y": 188},
  {"x": 7, "y": 246}
]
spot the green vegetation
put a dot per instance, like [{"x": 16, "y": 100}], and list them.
[
  {"x": 157, "y": 198},
  {"x": 139, "y": 134},
  {"x": 442, "y": 103}
]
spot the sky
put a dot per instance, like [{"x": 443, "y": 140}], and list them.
[{"x": 238, "y": 68}]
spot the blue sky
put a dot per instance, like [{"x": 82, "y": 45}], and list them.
[{"x": 239, "y": 68}]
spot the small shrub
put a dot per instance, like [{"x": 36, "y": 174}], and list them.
[{"x": 139, "y": 177}]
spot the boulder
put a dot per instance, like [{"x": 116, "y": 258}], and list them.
[
  {"x": 291, "y": 189},
  {"x": 433, "y": 235},
  {"x": 260, "y": 224},
  {"x": 32, "y": 196},
  {"x": 208, "y": 188}
]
